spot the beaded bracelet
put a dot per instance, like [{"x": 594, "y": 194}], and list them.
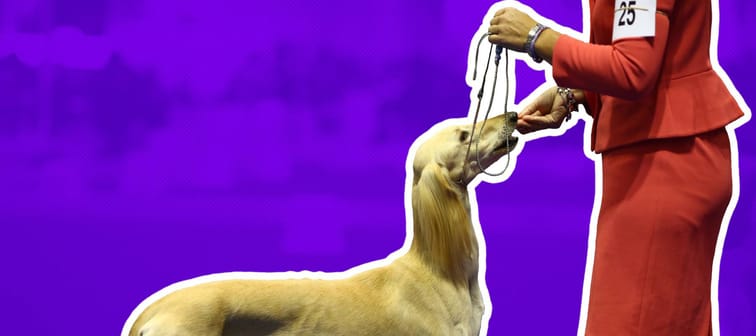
[
  {"x": 569, "y": 98},
  {"x": 530, "y": 42}
]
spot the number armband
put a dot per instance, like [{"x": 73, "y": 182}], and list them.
[{"x": 634, "y": 18}]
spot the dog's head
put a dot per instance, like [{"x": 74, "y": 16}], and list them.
[
  {"x": 447, "y": 149},
  {"x": 442, "y": 169}
]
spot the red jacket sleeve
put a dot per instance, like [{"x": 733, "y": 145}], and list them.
[{"x": 626, "y": 69}]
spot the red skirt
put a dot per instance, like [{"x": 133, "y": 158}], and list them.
[{"x": 662, "y": 206}]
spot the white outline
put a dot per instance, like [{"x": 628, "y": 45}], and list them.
[
  {"x": 549, "y": 82},
  {"x": 714, "y": 58}
]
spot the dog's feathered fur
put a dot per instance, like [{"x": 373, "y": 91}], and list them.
[
  {"x": 430, "y": 290},
  {"x": 438, "y": 209}
]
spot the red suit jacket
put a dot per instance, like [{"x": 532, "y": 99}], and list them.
[{"x": 647, "y": 88}]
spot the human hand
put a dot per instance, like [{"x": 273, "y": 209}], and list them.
[
  {"x": 509, "y": 28},
  {"x": 547, "y": 111}
]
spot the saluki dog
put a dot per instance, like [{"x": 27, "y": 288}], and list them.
[{"x": 432, "y": 288}]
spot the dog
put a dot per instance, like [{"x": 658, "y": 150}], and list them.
[{"x": 432, "y": 288}]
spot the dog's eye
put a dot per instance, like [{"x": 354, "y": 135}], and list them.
[{"x": 463, "y": 136}]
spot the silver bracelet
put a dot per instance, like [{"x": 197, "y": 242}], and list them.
[
  {"x": 530, "y": 41},
  {"x": 569, "y": 98}
]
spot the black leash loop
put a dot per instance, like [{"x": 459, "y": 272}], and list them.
[{"x": 499, "y": 50}]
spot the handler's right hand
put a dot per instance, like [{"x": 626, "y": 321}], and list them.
[{"x": 547, "y": 111}]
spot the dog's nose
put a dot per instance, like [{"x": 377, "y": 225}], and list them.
[{"x": 512, "y": 117}]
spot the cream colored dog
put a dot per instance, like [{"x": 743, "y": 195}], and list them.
[{"x": 431, "y": 288}]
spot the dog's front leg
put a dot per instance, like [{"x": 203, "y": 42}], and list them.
[{"x": 478, "y": 306}]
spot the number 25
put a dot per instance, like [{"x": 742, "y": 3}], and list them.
[{"x": 628, "y": 13}]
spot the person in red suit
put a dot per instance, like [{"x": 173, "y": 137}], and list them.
[{"x": 659, "y": 114}]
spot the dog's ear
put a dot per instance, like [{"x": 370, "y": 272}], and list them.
[
  {"x": 416, "y": 177},
  {"x": 441, "y": 222},
  {"x": 442, "y": 175},
  {"x": 433, "y": 169}
]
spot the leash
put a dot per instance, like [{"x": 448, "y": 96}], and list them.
[{"x": 499, "y": 50}]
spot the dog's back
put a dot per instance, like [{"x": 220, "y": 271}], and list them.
[
  {"x": 385, "y": 300},
  {"x": 406, "y": 297}
]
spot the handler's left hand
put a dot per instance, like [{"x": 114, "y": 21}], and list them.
[{"x": 509, "y": 29}]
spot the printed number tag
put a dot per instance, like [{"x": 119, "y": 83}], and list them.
[{"x": 634, "y": 18}]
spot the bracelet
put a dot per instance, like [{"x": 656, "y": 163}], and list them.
[
  {"x": 530, "y": 42},
  {"x": 569, "y": 98}
]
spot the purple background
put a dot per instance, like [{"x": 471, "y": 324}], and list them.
[{"x": 145, "y": 142}]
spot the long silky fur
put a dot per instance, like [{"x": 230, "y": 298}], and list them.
[{"x": 443, "y": 233}]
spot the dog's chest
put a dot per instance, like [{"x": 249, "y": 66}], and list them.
[{"x": 440, "y": 309}]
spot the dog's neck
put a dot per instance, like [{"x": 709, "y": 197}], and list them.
[{"x": 443, "y": 234}]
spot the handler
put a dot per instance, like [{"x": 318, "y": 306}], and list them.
[{"x": 659, "y": 112}]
